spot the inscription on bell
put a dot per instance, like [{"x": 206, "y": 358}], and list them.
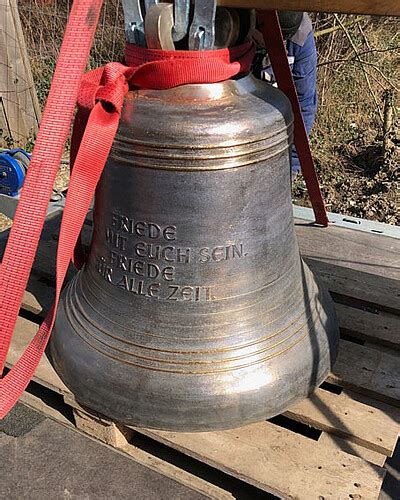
[
  {"x": 166, "y": 253},
  {"x": 143, "y": 228},
  {"x": 144, "y": 259},
  {"x": 140, "y": 267},
  {"x": 171, "y": 293},
  {"x": 220, "y": 253},
  {"x": 115, "y": 239},
  {"x": 139, "y": 287},
  {"x": 104, "y": 269}
]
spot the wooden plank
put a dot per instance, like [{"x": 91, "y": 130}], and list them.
[
  {"x": 44, "y": 265},
  {"x": 367, "y": 370},
  {"x": 181, "y": 476},
  {"x": 44, "y": 374},
  {"x": 111, "y": 433},
  {"x": 38, "y": 296},
  {"x": 370, "y": 288},
  {"x": 367, "y": 252},
  {"x": 22, "y": 82},
  {"x": 138, "y": 455},
  {"x": 378, "y": 326},
  {"x": 4, "y": 128},
  {"x": 346, "y": 418},
  {"x": 389, "y": 410},
  {"x": 382, "y": 8},
  {"x": 330, "y": 442},
  {"x": 361, "y": 265},
  {"x": 118, "y": 436},
  {"x": 16, "y": 128},
  {"x": 38, "y": 404},
  {"x": 379, "y": 347},
  {"x": 279, "y": 461}
]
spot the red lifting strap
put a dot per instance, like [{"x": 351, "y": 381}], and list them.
[
  {"x": 108, "y": 85},
  {"x": 270, "y": 29}
]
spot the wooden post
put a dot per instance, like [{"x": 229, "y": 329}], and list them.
[{"x": 19, "y": 107}]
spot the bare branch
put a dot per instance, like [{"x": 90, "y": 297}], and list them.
[
  {"x": 337, "y": 27},
  {"x": 347, "y": 59}
]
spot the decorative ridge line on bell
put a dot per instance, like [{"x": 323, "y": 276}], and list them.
[
  {"x": 184, "y": 147},
  {"x": 194, "y": 310},
  {"x": 75, "y": 305}
]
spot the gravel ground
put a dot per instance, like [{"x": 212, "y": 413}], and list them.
[{"x": 359, "y": 183}]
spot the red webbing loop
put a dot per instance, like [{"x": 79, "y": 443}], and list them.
[
  {"x": 271, "y": 31},
  {"x": 167, "y": 69}
]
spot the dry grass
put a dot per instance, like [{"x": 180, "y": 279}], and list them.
[
  {"x": 44, "y": 24},
  {"x": 355, "y": 70}
]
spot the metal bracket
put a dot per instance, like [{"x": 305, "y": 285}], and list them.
[
  {"x": 181, "y": 17},
  {"x": 349, "y": 222},
  {"x": 134, "y": 23},
  {"x": 158, "y": 24},
  {"x": 202, "y": 30}
]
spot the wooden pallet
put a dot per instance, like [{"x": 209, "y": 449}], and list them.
[{"x": 330, "y": 446}]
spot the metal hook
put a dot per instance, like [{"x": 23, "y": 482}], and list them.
[
  {"x": 247, "y": 24},
  {"x": 227, "y": 27},
  {"x": 181, "y": 16},
  {"x": 134, "y": 23},
  {"x": 158, "y": 26},
  {"x": 202, "y": 30}
]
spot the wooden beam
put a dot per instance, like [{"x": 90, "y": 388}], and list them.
[
  {"x": 19, "y": 107},
  {"x": 341, "y": 416},
  {"x": 368, "y": 371},
  {"x": 371, "y": 7},
  {"x": 23, "y": 52},
  {"x": 13, "y": 127}
]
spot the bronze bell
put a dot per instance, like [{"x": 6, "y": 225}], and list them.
[{"x": 194, "y": 310}]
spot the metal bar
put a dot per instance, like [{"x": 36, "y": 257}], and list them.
[
  {"x": 349, "y": 222},
  {"x": 134, "y": 23},
  {"x": 202, "y": 29},
  {"x": 181, "y": 15},
  {"x": 371, "y": 7},
  {"x": 276, "y": 48}
]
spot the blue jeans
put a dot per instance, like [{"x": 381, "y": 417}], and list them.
[{"x": 304, "y": 72}]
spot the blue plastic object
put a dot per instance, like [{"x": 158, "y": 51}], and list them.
[{"x": 13, "y": 167}]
